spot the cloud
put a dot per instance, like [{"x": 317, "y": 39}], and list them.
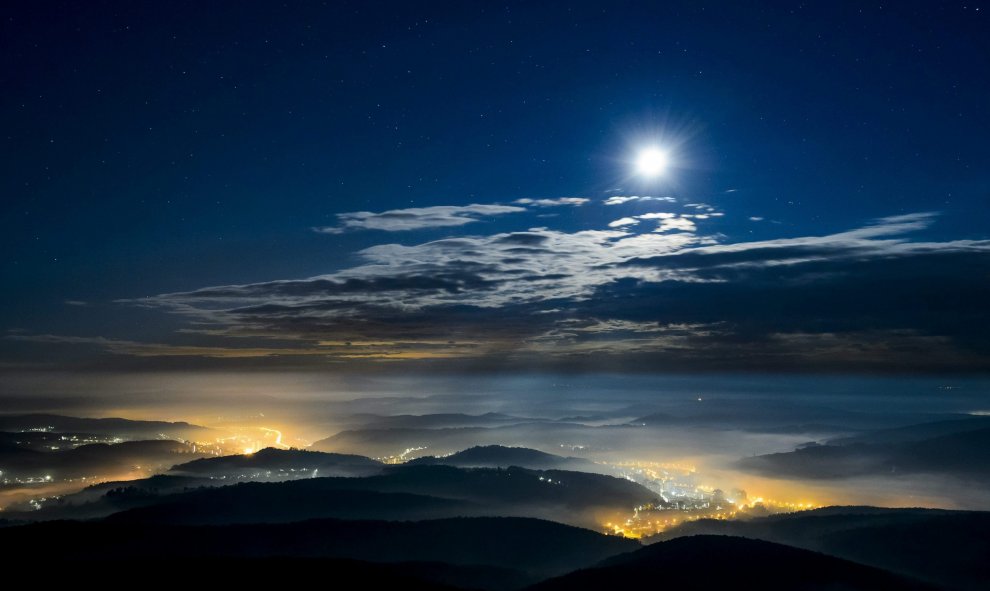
[
  {"x": 438, "y": 216},
  {"x": 612, "y": 337},
  {"x": 623, "y": 222},
  {"x": 668, "y": 221},
  {"x": 416, "y": 218},
  {"x": 621, "y": 199},
  {"x": 884, "y": 237},
  {"x": 327, "y": 349},
  {"x": 486, "y": 271},
  {"x": 680, "y": 224},
  {"x": 573, "y": 201},
  {"x": 674, "y": 297},
  {"x": 139, "y": 349}
]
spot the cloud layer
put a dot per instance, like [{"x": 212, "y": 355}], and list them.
[{"x": 650, "y": 291}]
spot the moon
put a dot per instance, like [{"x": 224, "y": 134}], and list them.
[{"x": 651, "y": 162}]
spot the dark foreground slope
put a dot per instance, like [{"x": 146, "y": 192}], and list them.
[
  {"x": 523, "y": 549},
  {"x": 723, "y": 562},
  {"x": 274, "y": 572},
  {"x": 948, "y": 548}
]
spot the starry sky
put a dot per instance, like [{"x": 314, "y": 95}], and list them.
[{"x": 362, "y": 186}]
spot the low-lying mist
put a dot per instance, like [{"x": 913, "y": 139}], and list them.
[{"x": 716, "y": 430}]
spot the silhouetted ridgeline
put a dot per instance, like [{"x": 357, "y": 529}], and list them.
[
  {"x": 492, "y": 456},
  {"x": 945, "y": 547},
  {"x": 95, "y": 459},
  {"x": 413, "y": 492},
  {"x": 126, "y": 428},
  {"x": 284, "y": 462},
  {"x": 281, "y": 503},
  {"x": 379, "y": 441},
  {"x": 401, "y": 492},
  {"x": 530, "y": 548},
  {"x": 721, "y": 562}
]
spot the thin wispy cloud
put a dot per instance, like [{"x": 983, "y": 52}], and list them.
[
  {"x": 329, "y": 350},
  {"x": 437, "y": 216},
  {"x": 667, "y": 221},
  {"x": 416, "y": 218},
  {"x": 557, "y": 202},
  {"x": 621, "y": 199}
]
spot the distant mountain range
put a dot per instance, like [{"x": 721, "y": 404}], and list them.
[
  {"x": 379, "y": 442},
  {"x": 403, "y": 492},
  {"x": 769, "y": 415},
  {"x": 126, "y": 428},
  {"x": 490, "y": 517},
  {"x": 962, "y": 454},
  {"x": 192, "y": 493},
  {"x": 918, "y": 432},
  {"x": 494, "y": 456},
  {"x": 98, "y": 459},
  {"x": 278, "y": 464}
]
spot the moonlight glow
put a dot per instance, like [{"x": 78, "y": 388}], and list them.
[{"x": 651, "y": 162}]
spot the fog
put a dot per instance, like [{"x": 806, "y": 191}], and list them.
[{"x": 709, "y": 424}]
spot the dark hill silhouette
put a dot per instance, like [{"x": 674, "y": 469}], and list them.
[
  {"x": 515, "y": 489},
  {"x": 722, "y": 562},
  {"x": 280, "y": 464},
  {"x": 126, "y": 428},
  {"x": 429, "y": 491},
  {"x": 97, "y": 459},
  {"x": 493, "y": 456},
  {"x": 382, "y": 442},
  {"x": 534, "y": 548},
  {"x": 269, "y": 464},
  {"x": 106, "y": 498},
  {"x": 949, "y": 548},
  {"x": 48, "y": 440},
  {"x": 256, "y": 502},
  {"x": 273, "y": 572},
  {"x": 379, "y": 442}
]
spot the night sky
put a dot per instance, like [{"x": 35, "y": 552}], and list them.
[{"x": 452, "y": 186}]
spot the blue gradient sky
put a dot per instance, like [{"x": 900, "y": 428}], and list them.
[{"x": 184, "y": 186}]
